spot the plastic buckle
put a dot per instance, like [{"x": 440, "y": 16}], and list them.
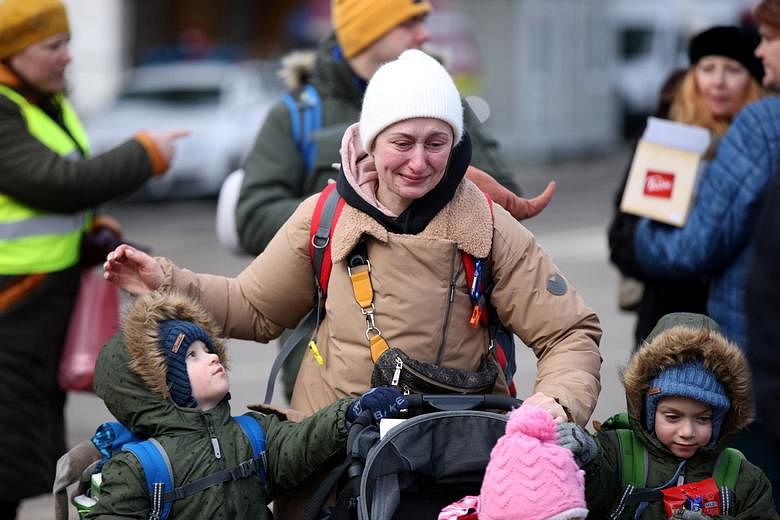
[{"x": 243, "y": 470}]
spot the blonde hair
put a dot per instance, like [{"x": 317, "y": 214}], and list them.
[{"x": 689, "y": 105}]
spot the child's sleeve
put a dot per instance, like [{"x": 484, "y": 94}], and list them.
[
  {"x": 123, "y": 490},
  {"x": 753, "y": 495},
  {"x": 602, "y": 477},
  {"x": 297, "y": 450}
]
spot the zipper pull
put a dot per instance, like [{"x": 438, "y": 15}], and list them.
[
  {"x": 215, "y": 446},
  {"x": 399, "y": 365},
  {"x": 681, "y": 479}
]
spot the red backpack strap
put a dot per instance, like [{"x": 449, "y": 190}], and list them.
[
  {"x": 479, "y": 276},
  {"x": 323, "y": 221}
]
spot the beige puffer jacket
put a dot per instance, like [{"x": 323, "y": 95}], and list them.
[{"x": 411, "y": 277}]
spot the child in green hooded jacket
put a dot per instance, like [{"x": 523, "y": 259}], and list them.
[
  {"x": 176, "y": 390},
  {"x": 688, "y": 390}
]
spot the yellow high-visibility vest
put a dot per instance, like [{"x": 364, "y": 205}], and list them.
[{"x": 34, "y": 240}]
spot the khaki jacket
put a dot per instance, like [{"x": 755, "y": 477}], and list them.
[{"x": 411, "y": 276}]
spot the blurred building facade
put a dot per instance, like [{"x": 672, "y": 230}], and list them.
[{"x": 547, "y": 74}]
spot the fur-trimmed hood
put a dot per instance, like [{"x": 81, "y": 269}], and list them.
[
  {"x": 325, "y": 69},
  {"x": 130, "y": 371},
  {"x": 141, "y": 335},
  {"x": 297, "y": 68},
  {"x": 680, "y": 344}
]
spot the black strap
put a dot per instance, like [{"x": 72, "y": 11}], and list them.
[
  {"x": 308, "y": 324},
  {"x": 644, "y": 495},
  {"x": 246, "y": 469},
  {"x": 321, "y": 494},
  {"x": 321, "y": 239},
  {"x": 305, "y": 328}
]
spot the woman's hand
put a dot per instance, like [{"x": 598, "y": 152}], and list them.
[
  {"x": 548, "y": 403},
  {"x": 132, "y": 270}
]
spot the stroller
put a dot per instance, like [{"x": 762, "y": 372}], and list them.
[{"x": 420, "y": 465}]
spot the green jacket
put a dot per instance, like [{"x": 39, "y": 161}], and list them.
[
  {"x": 294, "y": 450},
  {"x": 276, "y": 180},
  {"x": 753, "y": 491},
  {"x": 35, "y": 175}
]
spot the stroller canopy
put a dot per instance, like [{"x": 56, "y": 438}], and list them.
[{"x": 427, "y": 462}]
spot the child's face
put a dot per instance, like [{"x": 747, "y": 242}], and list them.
[
  {"x": 208, "y": 378},
  {"x": 683, "y": 425}
]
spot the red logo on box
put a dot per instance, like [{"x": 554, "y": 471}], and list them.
[{"x": 659, "y": 184}]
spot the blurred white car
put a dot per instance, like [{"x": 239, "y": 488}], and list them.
[{"x": 221, "y": 104}]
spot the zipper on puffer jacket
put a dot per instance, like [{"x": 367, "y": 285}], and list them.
[
  {"x": 217, "y": 452},
  {"x": 450, "y": 300}
]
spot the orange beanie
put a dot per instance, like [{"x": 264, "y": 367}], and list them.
[
  {"x": 25, "y": 22},
  {"x": 359, "y": 23}
]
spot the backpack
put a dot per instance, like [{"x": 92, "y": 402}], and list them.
[
  {"x": 305, "y": 119},
  {"x": 326, "y": 214},
  {"x": 634, "y": 464},
  {"x": 113, "y": 437}
]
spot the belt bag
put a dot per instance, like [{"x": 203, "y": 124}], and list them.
[
  {"x": 392, "y": 367},
  {"x": 395, "y": 368}
]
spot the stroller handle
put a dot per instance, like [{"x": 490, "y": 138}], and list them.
[{"x": 449, "y": 402}]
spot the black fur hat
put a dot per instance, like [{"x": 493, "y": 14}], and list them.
[{"x": 729, "y": 41}]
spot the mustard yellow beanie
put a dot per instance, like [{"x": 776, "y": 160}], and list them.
[
  {"x": 359, "y": 23},
  {"x": 25, "y": 22}
]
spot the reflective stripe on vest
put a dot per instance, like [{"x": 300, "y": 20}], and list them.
[{"x": 32, "y": 240}]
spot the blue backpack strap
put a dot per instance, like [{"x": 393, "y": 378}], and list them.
[
  {"x": 312, "y": 121},
  {"x": 254, "y": 433},
  {"x": 305, "y": 119},
  {"x": 295, "y": 120},
  {"x": 159, "y": 475}
]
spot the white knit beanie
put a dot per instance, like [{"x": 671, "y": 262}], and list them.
[{"x": 414, "y": 85}]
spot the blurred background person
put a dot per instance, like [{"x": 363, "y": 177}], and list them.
[
  {"x": 720, "y": 236},
  {"x": 47, "y": 187},
  {"x": 723, "y": 76},
  {"x": 366, "y": 34},
  {"x": 762, "y": 295},
  {"x": 763, "y": 327}
]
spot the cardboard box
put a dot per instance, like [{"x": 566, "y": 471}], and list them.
[{"x": 663, "y": 177}]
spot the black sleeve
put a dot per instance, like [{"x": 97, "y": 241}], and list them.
[
  {"x": 34, "y": 175},
  {"x": 621, "y": 235}
]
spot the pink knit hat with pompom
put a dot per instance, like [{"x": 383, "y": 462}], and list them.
[{"x": 529, "y": 476}]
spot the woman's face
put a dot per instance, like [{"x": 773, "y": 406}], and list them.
[
  {"x": 411, "y": 158},
  {"x": 769, "y": 53},
  {"x": 723, "y": 83},
  {"x": 43, "y": 64}
]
